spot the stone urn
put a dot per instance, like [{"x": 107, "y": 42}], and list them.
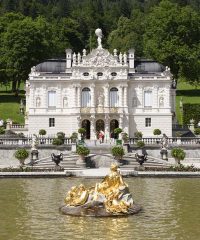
[
  {"x": 57, "y": 158},
  {"x": 141, "y": 156},
  {"x": 164, "y": 154}
]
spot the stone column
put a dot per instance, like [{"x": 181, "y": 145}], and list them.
[
  {"x": 75, "y": 102},
  {"x": 139, "y": 92},
  {"x": 155, "y": 97},
  {"x": 92, "y": 86},
  {"x": 79, "y": 126},
  {"x": 78, "y": 96},
  {"x": 121, "y": 121},
  {"x": 120, "y": 96},
  {"x": 107, "y": 127},
  {"x": 106, "y": 94},
  {"x": 168, "y": 103},
  {"x": 31, "y": 97},
  {"x": 92, "y": 128},
  {"x": 125, "y": 96},
  {"x": 59, "y": 97}
]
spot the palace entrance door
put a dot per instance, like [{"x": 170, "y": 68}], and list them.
[
  {"x": 100, "y": 126},
  {"x": 86, "y": 125},
  {"x": 113, "y": 124}
]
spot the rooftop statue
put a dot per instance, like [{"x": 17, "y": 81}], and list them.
[
  {"x": 99, "y": 34},
  {"x": 111, "y": 197}
]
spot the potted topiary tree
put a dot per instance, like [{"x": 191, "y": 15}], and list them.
[
  {"x": 21, "y": 154},
  {"x": 117, "y": 132},
  {"x": 57, "y": 142},
  {"x": 118, "y": 152},
  {"x": 157, "y": 132},
  {"x": 82, "y": 132},
  {"x": 178, "y": 154},
  {"x": 138, "y": 135},
  {"x": 42, "y": 132},
  {"x": 125, "y": 137},
  {"x": 61, "y": 136},
  {"x": 82, "y": 151},
  {"x": 74, "y": 137}
]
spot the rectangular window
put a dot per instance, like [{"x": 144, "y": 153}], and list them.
[
  {"x": 51, "y": 122},
  {"x": 52, "y": 99},
  {"x": 148, "y": 99},
  {"x": 147, "y": 122}
]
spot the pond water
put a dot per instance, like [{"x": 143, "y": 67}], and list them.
[{"x": 29, "y": 210}]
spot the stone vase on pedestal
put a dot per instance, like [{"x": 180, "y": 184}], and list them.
[
  {"x": 34, "y": 155},
  {"x": 177, "y": 161},
  {"x": 22, "y": 161},
  {"x": 179, "y": 141}
]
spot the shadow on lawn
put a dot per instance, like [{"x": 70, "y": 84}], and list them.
[
  {"x": 10, "y": 99},
  {"x": 191, "y": 93}
]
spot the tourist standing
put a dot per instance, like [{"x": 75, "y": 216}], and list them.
[
  {"x": 103, "y": 135},
  {"x": 100, "y": 137}
]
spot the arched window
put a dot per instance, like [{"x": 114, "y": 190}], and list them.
[
  {"x": 113, "y": 97},
  {"x": 85, "y": 97}
]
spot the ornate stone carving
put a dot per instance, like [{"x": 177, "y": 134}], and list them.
[
  {"x": 113, "y": 110},
  {"x": 99, "y": 58},
  {"x": 100, "y": 98},
  {"x": 85, "y": 110}
]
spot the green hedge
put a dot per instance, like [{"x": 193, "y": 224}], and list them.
[{"x": 191, "y": 111}]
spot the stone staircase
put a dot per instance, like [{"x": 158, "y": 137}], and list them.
[
  {"x": 129, "y": 162},
  {"x": 69, "y": 162},
  {"x": 99, "y": 157}
]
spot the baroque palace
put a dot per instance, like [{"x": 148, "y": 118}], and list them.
[{"x": 100, "y": 91}]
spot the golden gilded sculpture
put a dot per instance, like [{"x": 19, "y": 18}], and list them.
[{"x": 112, "y": 193}]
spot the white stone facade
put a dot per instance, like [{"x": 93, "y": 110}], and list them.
[{"x": 99, "y": 87}]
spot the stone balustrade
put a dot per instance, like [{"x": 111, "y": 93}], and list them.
[
  {"x": 171, "y": 140},
  {"x": 26, "y": 141},
  {"x": 14, "y": 126}
]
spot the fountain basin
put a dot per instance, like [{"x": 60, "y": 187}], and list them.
[{"x": 96, "y": 210}]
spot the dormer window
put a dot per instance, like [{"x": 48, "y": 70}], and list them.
[
  {"x": 99, "y": 74},
  {"x": 85, "y": 74},
  {"x": 113, "y": 74}
]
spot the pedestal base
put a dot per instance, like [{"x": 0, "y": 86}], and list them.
[
  {"x": 34, "y": 155},
  {"x": 93, "y": 210},
  {"x": 81, "y": 163}
]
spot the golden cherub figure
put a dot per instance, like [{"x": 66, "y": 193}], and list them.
[{"x": 113, "y": 192}]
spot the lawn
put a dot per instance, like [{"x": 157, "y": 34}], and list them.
[
  {"x": 10, "y": 105},
  {"x": 189, "y": 94}
]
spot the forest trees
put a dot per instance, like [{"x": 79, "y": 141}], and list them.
[
  {"x": 165, "y": 30},
  {"x": 172, "y": 37},
  {"x": 24, "y": 43},
  {"x": 129, "y": 33}
]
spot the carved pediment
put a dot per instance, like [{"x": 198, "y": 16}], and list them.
[{"x": 99, "y": 58}]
